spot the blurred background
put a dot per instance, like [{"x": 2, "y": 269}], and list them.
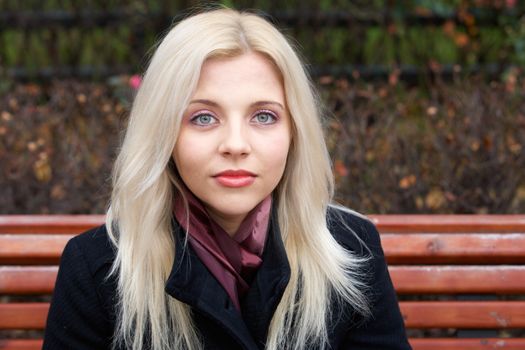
[{"x": 425, "y": 108}]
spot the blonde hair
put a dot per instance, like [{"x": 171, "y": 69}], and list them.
[{"x": 139, "y": 216}]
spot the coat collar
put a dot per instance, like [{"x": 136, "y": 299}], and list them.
[{"x": 192, "y": 283}]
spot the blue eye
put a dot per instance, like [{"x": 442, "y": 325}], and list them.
[
  {"x": 265, "y": 117},
  {"x": 204, "y": 119}
]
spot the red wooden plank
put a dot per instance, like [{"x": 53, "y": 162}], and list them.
[
  {"x": 425, "y": 314},
  {"x": 49, "y": 223},
  {"x": 23, "y": 315},
  {"x": 467, "y": 344},
  {"x": 399, "y": 248},
  {"x": 385, "y": 223},
  {"x": 503, "y": 279},
  {"x": 449, "y": 223},
  {"x": 439, "y": 279},
  {"x": 32, "y": 249},
  {"x": 412, "y": 248},
  {"x": 23, "y": 280},
  {"x": 417, "y": 344},
  {"x": 463, "y": 314},
  {"x": 21, "y": 344}
]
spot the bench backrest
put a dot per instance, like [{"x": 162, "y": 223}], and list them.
[{"x": 460, "y": 278}]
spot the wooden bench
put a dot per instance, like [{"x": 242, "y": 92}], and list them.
[{"x": 460, "y": 279}]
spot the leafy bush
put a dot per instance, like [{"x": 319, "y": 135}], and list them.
[
  {"x": 57, "y": 145},
  {"x": 450, "y": 148},
  {"x": 456, "y": 148}
]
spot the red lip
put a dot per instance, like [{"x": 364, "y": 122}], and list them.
[
  {"x": 235, "y": 178},
  {"x": 232, "y": 173}
]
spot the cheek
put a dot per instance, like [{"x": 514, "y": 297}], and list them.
[
  {"x": 276, "y": 154},
  {"x": 187, "y": 156}
]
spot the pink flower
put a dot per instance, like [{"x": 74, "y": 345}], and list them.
[{"x": 134, "y": 81}]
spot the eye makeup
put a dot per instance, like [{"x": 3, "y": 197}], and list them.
[
  {"x": 274, "y": 117},
  {"x": 203, "y": 118}
]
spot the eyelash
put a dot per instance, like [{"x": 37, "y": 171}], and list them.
[
  {"x": 268, "y": 112},
  {"x": 195, "y": 117}
]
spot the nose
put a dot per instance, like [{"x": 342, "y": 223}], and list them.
[{"x": 235, "y": 141}]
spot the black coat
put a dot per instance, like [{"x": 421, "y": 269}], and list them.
[{"x": 82, "y": 310}]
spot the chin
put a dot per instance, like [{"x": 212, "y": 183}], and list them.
[
  {"x": 229, "y": 209},
  {"x": 234, "y": 212}
]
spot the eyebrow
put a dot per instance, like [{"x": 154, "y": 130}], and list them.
[{"x": 255, "y": 104}]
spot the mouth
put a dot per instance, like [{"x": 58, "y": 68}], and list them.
[{"x": 235, "y": 178}]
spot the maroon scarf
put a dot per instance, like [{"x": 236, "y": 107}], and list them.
[{"x": 233, "y": 260}]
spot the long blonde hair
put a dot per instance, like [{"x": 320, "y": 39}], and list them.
[{"x": 139, "y": 215}]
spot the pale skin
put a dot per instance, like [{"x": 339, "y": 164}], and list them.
[{"x": 235, "y": 136}]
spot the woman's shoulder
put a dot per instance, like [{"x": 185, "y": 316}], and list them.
[
  {"x": 89, "y": 256},
  {"x": 95, "y": 248},
  {"x": 83, "y": 300},
  {"x": 353, "y": 230}
]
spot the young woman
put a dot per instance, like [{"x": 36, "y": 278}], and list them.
[{"x": 220, "y": 233}]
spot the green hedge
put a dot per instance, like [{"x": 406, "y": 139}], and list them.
[{"x": 470, "y": 32}]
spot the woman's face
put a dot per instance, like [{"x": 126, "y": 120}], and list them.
[{"x": 234, "y": 138}]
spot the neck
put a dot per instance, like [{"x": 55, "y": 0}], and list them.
[{"x": 230, "y": 224}]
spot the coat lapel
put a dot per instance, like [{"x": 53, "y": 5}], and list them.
[
  {"x": 266, "y": 291},
  {"x": 192, "y": 283}
]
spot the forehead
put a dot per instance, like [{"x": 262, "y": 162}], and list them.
[{"x": 251, "y": 72}]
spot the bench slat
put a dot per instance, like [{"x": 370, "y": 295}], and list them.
[
  {"x": 23, "y": 315},
  {"x": 48, "y": 223},
  {"x": 437, "y": 279},
  {"x": 21, "y": 344},
  {"x": 446, "y": 248},
  {"x": 463, "y": 314},
  {"x": 417, "y": 344},
  {"x": 385, "y": 223},
  {"x": 467, "y": 344},
  {"x": 399, "y": 248},
  {"x": 449, "y": 223},
  {"x": 24, "y": 280},
  {"x": 430, "y": 314},
  {"x": 433, "y": 279},
  {"x": 32, "y": 249}
]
